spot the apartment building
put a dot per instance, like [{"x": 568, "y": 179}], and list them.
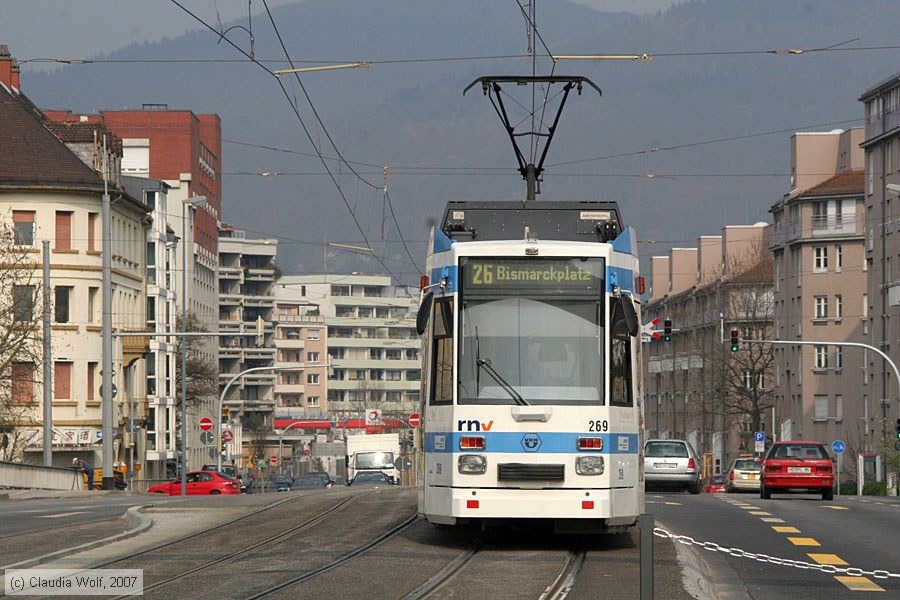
[
  {"x": 881, "y": 145},
  {"x": 695, "y": 388},
  {"x": 51, "y": 191},
  {"x": 372, "y": 344},
  {"x": 301, "y": 345},
  {"x": 246, "y": 309},
  {"x": 822, "y": 391}
]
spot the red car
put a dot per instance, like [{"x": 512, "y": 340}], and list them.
[
  {"x": 797, "y": 466},
  {"x": 200, "y": 483},
  {"x": 714, "y": 484}
]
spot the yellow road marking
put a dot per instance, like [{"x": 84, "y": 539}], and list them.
[
  {"x": 859, "y": 584},
  {"x": 57, "y": 516},
  {"x": 799, "y": 541},
  {"x": 837, "y": 507},
  {"x": 759, "y": 512},
  {"x": 749, "y": 507},
  {"x": 785, "y": 529},
  {"x": 771, "y": 520},
  {"x": 828, "y": 559},
  {"x": 673, "y": 503}
]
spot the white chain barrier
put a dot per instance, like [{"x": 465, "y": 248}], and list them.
[{"x": 765, "y": 558}]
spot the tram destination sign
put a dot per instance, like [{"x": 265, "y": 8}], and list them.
[{"x": 534, "y": 275}]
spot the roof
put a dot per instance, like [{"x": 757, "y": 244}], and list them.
[
  {"x": 31, "y": 156},
  {"x": 848, "y": 183},
  {"x": 763, "y": 272}
]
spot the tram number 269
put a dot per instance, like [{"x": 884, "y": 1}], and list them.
[{"x": 598, "y": 426}]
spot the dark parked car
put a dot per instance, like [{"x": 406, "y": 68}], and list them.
[
  {"x": 797, "y": 466},
  {"x": 308, "y": 482},
  {"x": 325, "y": 477},
  {"x": 280, "y": 483},
  {"x": 370, "y": 478}
]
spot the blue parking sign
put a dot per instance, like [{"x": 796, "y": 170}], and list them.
[
  {"x": 838, "y": 447},
  {"x": 759, "y": 436}
]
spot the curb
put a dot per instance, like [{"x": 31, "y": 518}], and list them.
[
  {"x": 708, "y": 576},
  {"x": 133, "y": 516}
]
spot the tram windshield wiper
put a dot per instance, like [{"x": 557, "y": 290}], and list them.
[{"x": 486, "y": 363}]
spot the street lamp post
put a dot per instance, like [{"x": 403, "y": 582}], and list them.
[
  {"x": 281, "y": 440},
  {"x": 235, "y": 378},
  {"x": 188, "y": 204}
]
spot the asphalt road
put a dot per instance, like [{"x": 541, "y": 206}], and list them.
[
  {"x": 859, "y": 532},
  {"x": 30, "y": 515}
]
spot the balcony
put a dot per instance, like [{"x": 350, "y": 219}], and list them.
[
  {"x": 290, "y": 343},
  {"x": 259, "y": 275},
  {"x": 833, "y": 225},
  {"x": 228, "y": 273},
  {"x": 290, "y": 388},
  {"x": 259, "y": 353}
]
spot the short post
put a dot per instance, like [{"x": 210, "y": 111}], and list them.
[{"x": 645, "y": 524}]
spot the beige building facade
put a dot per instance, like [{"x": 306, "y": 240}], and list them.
[{"x": 822, "y": 391}]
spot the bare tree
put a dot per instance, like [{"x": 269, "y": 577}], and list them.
[
  {"x": 202, "y": 372},
  {"x": 20, "y": 343}
]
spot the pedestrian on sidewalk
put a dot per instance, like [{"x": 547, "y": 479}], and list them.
[{"x": 86, "y": 469}]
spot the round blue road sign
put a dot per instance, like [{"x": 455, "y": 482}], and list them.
[{"x": 838, "y": 447}]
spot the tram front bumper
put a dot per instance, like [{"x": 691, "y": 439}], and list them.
[{"x": 616, "y": 506}]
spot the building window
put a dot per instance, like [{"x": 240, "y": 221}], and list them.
[
  {"x": 22, "y": 383},
  {"x": 91, "y": 387},
  {"x": 312, "y": 378},
  {"x": 92, "y": 232},
  {"x": 63, "y": 230},
  {"x": 23, "y": 303},
  {"x": 838, "y": 407},
  {"x": 838, "y": 357},
  {"x": 312, "y": 357},
  {"x": 62, "y": 380},
  {"x": 392, "y": 375},
  {"x": 414, "y": 375},
  {"x": 838, "y": 258},
  {"x": 821, "y": 357},
  {"x": 821, "y": 407},
  {"x": 820, "y": 215},
  {"x": 821, "y": 307},
  {"x": 838, "y": 307},
  {"x": 93, "y": 304},
  {"x": 312, "y": 402},
  {"x": 23, "y": 222},
  {"x": 61, "y": 296},
  {"x": 820, "y": 263},
  {"x": 312, "y": 334}
]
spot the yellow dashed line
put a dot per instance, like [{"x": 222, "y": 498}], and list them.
[
  {"x": 799, "y": 541},
  {"x": 828, "y": 559},
  {"x": 837, "y": 507},
  {"x": 785, "y": 529},
  {"x": 748, "y": 507},
  {"x": 859, "y": 584},
  {"x": 771, "y": 520},
  {"x": 673, "y": 503},
  {"x": 759, "y": 513}
]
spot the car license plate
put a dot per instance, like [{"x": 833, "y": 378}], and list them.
[
  {"x": 752, "y": 475},
  {"x": 798, "y": 470},
  {"x": 665, "y": 465}
]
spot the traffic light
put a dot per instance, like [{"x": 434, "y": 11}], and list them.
[
  {"x": 734, "y": 340},
  {"x": 667, "y": 330},
  {"x": 897, "y": 429}
]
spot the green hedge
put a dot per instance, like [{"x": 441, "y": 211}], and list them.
[{"x": 873, "y": 488}]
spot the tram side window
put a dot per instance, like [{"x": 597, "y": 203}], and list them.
[
  {"x": 442, "y": 353},
  {"x": 619, "y": 356}
]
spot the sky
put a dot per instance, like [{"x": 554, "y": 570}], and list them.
[{"x": 83, "y": 28}]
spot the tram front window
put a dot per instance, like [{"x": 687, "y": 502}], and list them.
[{"x": 543, "y": 350}]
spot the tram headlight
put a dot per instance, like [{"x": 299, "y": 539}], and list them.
[
  {"x": 590, "y": 465},
  {"x": 472, "y": 464}
]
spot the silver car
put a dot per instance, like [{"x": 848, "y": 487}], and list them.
[
  {"x": 671, "y": 463},
  {"x": 744, "y": 475}
]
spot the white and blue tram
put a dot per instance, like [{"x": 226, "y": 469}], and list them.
[{"x": 531, "y": 396}]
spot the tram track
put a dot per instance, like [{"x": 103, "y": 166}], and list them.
[
  {"x": 246, "y": 550},
  {"x": 402, "y": 526}
]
